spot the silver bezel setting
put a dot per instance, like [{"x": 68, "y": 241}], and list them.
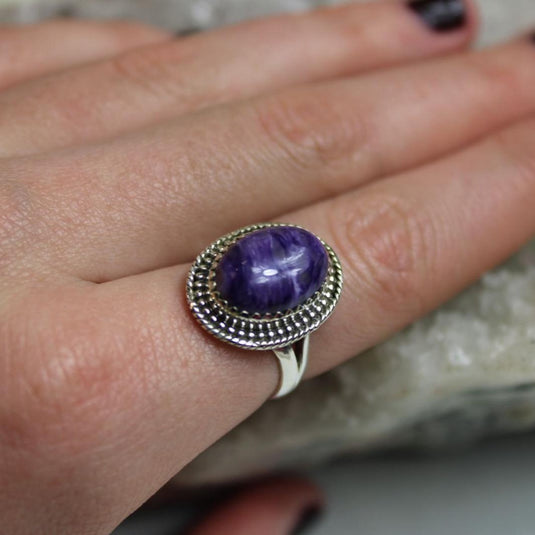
[{"x": 256, "y": 332}]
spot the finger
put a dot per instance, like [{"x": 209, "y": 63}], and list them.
[
  {"x": 165, "y": 80},
  {"x": 158, "y": 197},
  {"x": 36, "y": 50},
  {"x": 278, "y": 507},
  {"x": 136, "y": 389},
  {"x": 406, "y": 245},
  {"x": 411, "y": 242}
]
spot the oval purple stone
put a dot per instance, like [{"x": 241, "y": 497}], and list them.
[{"x": 272, "y": 270}]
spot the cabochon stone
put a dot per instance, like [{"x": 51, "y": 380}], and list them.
[{"x": 272, "y": 270}]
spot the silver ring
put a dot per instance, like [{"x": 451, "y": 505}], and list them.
[{"x": 267, "y": 287}]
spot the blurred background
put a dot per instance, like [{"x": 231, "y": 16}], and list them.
[{"x": 489, "y": 490}]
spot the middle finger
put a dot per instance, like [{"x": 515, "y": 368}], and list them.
[{"x": 155, "y": 198}]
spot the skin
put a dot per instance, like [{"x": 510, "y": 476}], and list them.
[{"x": 126, "y": 153}]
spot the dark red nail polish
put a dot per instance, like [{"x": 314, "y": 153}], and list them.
[
  {"x": 440, "y": 15},
  {"x": 187, "y": 31},
  {"x": 308, "y": 518},
  {"x": 66, "y": 12}
]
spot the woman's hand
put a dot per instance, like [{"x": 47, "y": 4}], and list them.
[{"x": 126, "y": 151}]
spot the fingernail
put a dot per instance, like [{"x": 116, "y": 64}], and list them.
[
  {"x": 440, "y": 15},
  {"x": 532, "y": 37},
  {"x": 308, "y": 518},
  {"x": 66, "y": 12}
]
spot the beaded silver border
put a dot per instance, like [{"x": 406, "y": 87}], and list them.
[{"x": 257, "y": 332}]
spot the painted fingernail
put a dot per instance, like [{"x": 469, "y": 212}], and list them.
[
  {"x": 186, "y": 31},
  {"x": 307, "y": 520},
  {"x": 440, "y": 15},
  {"x": 66, "y": 12}
]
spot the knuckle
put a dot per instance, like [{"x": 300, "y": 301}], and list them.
[
  {"x": 59, "y": 379},
  {"x": 152, "y": 69},
  {"x": 389, "y": 248},
  {"x": 312, "y": 127},
  {"x": 70, "y": 373}
]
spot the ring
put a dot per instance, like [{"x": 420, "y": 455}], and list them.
[{"x": 266, "y": 287}]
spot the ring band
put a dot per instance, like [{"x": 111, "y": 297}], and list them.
[{"x": 267, "y": 287}]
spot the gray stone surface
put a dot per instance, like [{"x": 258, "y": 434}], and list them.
[{"x": 464, "y": 372}]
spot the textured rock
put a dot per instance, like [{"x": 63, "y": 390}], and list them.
[
  {"x": 463, "y": 372},
  {"x": 272, "y": 270}
]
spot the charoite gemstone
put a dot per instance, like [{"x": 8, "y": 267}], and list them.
[{"x": 272, "y": 270}]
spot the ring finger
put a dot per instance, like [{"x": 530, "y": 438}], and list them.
[{"x": 156, "y": 197}]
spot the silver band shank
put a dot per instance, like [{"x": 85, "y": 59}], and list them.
[{"x": 292, "y": 365}]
